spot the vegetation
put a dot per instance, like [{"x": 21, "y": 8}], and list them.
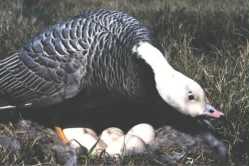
[{"x": 207, "y": 40}]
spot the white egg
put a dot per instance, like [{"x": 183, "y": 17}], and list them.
[
  {"x": 133, "y": 145},
  {"x": 81, "y": 136},
  {"x": 110, "y": 135},
  {"x": 116, "y": 147},
  {"x": 126, "y": 145},
  {"x": 144, "y": 131}
]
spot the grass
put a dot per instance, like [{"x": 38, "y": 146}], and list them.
[{"x": 207, "y": 40}]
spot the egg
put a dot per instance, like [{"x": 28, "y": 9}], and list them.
[
  {"x": 144, "y": 131},
  {"x": 126, "y": 145},
  {"x": 111, "y": 134},
  {"x": 84, "y": 137}
]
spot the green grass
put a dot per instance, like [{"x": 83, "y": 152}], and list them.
[{"x": 207, "y": 40}]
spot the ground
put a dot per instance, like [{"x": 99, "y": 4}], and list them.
[{"x": 206, "y": 40}]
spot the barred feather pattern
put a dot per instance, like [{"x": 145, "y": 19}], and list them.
[{"x": 90, "y": 51}]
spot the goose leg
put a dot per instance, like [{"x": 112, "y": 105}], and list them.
[{"x": 61, "y": 135}]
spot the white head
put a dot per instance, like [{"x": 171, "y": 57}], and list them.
[{"x": 176, "y": 89}]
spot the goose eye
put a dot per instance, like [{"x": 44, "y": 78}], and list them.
[{"x": 191, "y": 96}]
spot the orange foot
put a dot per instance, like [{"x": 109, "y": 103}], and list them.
[{"x": 61, "y": 134}]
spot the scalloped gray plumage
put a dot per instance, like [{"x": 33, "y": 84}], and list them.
[{"x": 90, "y": 53}]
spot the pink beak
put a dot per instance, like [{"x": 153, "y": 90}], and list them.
[{"x": 212, "y": 112}]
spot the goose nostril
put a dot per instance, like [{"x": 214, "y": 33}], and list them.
[{"x": 211, "y": 110}]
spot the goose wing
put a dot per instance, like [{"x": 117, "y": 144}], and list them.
[{"x": 48, "y": 69}]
